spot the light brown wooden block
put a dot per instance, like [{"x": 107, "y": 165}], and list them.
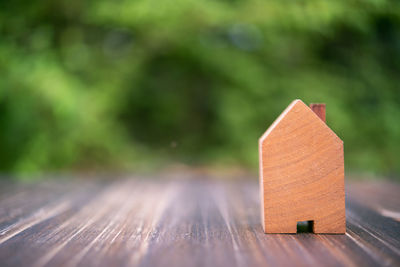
[{"x": 301, "y": 173}]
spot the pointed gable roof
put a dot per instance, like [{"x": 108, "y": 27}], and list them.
[{"x": 304, "y": 117}]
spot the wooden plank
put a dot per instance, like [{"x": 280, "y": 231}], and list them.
[
  {"x": 39, "y": 195},
  {"x": 382, "y": 197},
  {"x": 185, "y": 222}
]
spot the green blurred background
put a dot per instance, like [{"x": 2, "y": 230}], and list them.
[{"x": 139, "y": 85}]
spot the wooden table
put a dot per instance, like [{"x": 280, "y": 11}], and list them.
[{"x": 189, "y": 221}]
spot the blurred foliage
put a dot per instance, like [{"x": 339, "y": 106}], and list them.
[{"x": 125, "y": 85}]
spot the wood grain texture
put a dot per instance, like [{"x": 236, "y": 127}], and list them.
[
  {"x": 301, "y": 174},
  {"x": 186, "y": 221}
]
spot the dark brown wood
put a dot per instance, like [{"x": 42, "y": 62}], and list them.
[
  {"x": 320, "y": 110},
  {"x": 183, "y": 222}
]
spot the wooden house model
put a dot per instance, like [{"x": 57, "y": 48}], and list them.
[{"x": 302, "y": 173}]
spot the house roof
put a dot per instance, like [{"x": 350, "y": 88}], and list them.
[{"x": 298, "y": 106}]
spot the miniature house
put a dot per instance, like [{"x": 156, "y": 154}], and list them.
[{"x": 302, "y": 173}]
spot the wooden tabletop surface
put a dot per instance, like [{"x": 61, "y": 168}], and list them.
[{"x": 183, "y": 222}]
